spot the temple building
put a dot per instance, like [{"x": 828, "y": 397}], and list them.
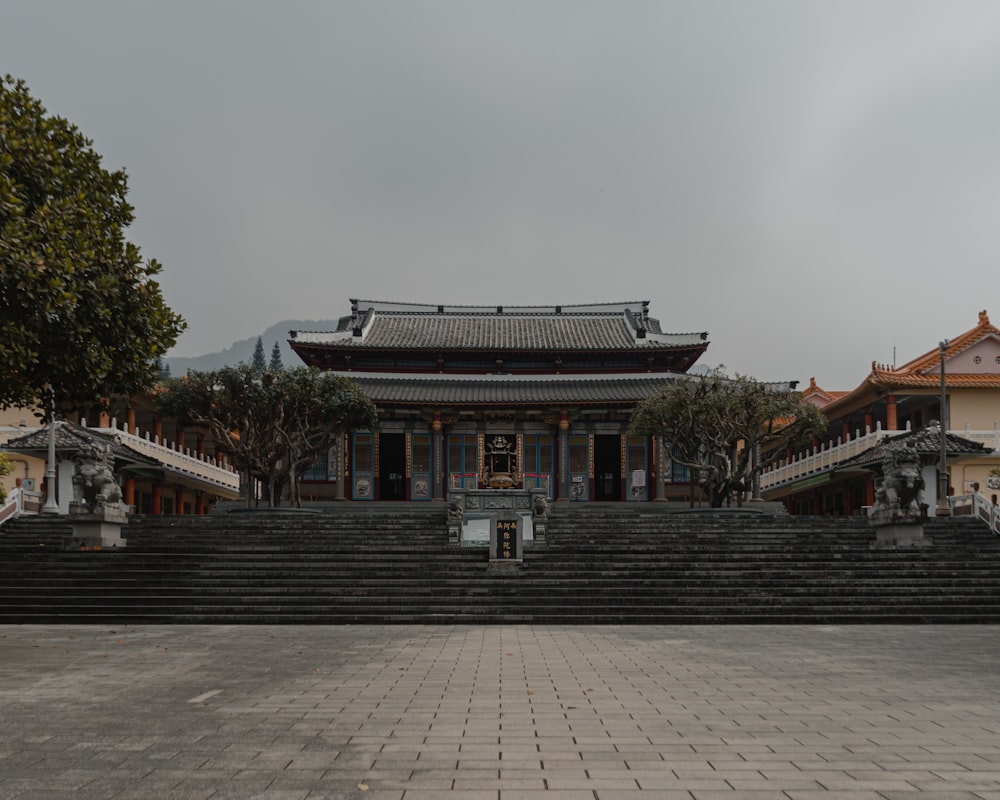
[
  {"x": 889, "y": 401},
  {"x": 500, "y": 396}
]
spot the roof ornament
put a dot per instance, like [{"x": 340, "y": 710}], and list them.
[{"x": 984, "y": 318}]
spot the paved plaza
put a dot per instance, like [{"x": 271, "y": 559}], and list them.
[{"x": 500, "y": 713}]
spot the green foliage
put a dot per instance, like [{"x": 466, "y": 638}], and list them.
[
  {"x": 716, "y": 425},
  {"x": 80, "y": 313},
  {"x": 276, "y": 365},
  {"x": 257, "y": 362},
  {"x": 274, "y": 425},
  {"x": 6, "y": 467}
]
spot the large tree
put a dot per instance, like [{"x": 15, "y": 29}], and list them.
[
  {"x": 317, "y": 408},
  {"x": 726, "y": 429},
  {"x": 81, "y": 317},
  {"x": 272, "y": 425}
]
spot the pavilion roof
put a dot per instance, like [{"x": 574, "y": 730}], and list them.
[
  {"x": 925, "y": 441},
  {"x": 512, "y": 390},
  {"x": 70, "y": 437},
  {"x": 601, "y": 326},
  {"x": 509, "y": 390}
]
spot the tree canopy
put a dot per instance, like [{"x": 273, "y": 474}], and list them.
[
  {"x": 275, "y": 364},
  {"x": 272, "y": 425},
  {"x": 80, "y": 314},
  {"x": 257, "y": 361},
  {"x": 726, "y": 430}
]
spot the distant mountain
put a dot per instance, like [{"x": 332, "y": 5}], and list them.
[{"x": 242, "y": 351}]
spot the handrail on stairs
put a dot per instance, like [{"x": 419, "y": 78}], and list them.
[
  {"x": 977, "y": 505},
  {"x": 19, "y": 502}
]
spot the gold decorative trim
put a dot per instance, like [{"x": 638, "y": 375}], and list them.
[
  {"x": 481, "y": 459},
  {"x": 408, "y": 458},
  {"x": 518, "y": 469}
]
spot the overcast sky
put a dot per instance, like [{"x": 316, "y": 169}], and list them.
[{"x": 817, "y": 185}]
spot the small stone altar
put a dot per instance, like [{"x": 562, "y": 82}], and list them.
[
  {"x": 482, "y": 504},
  {"x": 899, "y": 511},
  {"x": 96, "y": 510}
]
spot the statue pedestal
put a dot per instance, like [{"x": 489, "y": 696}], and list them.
[
  {"x": 101, "y": 527},
  {"x": 904, "y": 534}
]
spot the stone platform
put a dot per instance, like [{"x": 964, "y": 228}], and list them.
[{"x": 505, "y": 712}]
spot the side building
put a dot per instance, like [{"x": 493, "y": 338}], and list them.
[
  {"x": 513, "y": 396},
  {"x": 890, "y": 401}
]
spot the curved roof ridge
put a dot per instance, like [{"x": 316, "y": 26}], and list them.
[{"x": 964, "y": 340}]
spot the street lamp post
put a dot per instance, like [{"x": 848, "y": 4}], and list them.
[
  {"x": 943, "y": 509},
  {"x": 51, "y": 502}
]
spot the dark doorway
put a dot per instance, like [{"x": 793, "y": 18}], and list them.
[
  {"x": 607, "y": 467},
  {"x": 392, "y": 466}
]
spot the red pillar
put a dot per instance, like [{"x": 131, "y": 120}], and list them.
[
  {"x": 130, "y": 418},
  {"x": 179, "y": 500},
  {"x": 130, "y": 491},
  {"x": 157, "y": 499},
  {"x": 890, "y": 412}
]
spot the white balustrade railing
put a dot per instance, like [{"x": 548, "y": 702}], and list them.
[
  {"x": 20, "y": 501},
  {"x": 830, "y": 455},
  {"x": 989, "y": 438},
  {"x": 203, "y": 467},
  {"x": 823, "y": 458},
  {"x": 977, "y": 505}
]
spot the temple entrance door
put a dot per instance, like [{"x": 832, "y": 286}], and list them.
[
  {"x": 392, "y": 466},
  {"x": 608, "y": 467}
]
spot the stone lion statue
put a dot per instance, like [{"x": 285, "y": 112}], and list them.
[
  {"x": 902, "y": 490},
  {"x": 93, "y": 481},
  {"x": 541, "y": 508},
  {"x": 456, "y": 510}
]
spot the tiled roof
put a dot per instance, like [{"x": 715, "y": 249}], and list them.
[
  {"x": 925, "y": 442},
  {"x": 70, "y": 437},
  {"x": 899, "y": 380},
  {"x": 607, "y": 326},
  {"x": 509, "y": 390},
  {"x": 921, "y": 372},
  {"x": 819, "y": 396},
  {"x": 931, "y": 358}
]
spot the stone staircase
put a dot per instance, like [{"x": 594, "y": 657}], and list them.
[{"x": 601, "y": 564}]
